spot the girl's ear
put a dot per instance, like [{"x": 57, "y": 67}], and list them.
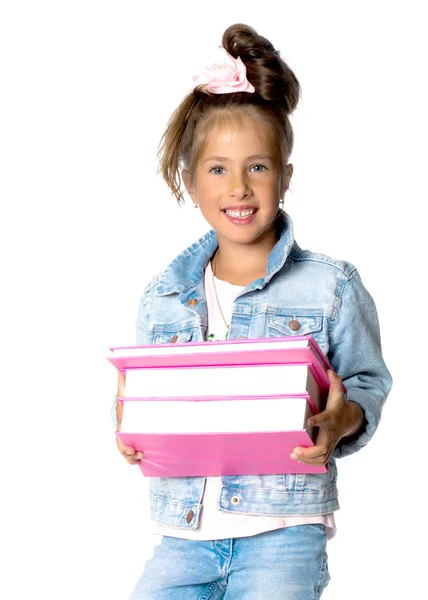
[
  {"x": 285, "y": 182},
  {"x": 187, "y": 180}
]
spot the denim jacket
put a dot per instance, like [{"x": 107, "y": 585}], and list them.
[{"x": 331, "y": 304}]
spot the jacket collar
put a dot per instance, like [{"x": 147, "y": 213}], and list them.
[{"x": 187, "y": 269}]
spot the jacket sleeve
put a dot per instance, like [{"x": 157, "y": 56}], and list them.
[{"x": 356, "y": 355}]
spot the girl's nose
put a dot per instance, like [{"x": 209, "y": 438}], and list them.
[{"x": 239, "y": 187}]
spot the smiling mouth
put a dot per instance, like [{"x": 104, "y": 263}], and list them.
[{"x": 240, "y": 214}]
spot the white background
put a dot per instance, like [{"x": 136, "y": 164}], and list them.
[{"x": 86, "y": 90}]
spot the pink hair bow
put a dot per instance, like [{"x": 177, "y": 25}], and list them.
[{"x": 225, "y": 75}]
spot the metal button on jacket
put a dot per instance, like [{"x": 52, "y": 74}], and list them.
[
  {"x": 192, "y": 302},
  {"x": 235, "y": 500},
  {"x": 294, "y": 325},
  {"x": 190, "y": 516}
]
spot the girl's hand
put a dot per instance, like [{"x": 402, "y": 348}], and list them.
[
  {"x": 339, "y": 419},
  {"x": 129, "y": 453}
]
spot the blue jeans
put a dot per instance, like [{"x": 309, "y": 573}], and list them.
[{"x": 283, "y": 564}]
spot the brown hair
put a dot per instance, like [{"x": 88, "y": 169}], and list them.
[{"x": 276, "y": 96}]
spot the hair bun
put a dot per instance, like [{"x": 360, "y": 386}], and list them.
[{"x": 273, "y": 80}]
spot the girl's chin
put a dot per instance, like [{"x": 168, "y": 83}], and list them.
[{"x": 245, "y": 235}]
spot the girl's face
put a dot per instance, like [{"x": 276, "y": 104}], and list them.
[{"x": 237, "y": 181}]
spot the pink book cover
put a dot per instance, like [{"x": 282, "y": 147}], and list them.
[
  {"x": 258, "y": 351},
  {"x": 214, "y": 454}
]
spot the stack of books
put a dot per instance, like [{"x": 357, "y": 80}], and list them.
[{"x": 233, "y": 407}]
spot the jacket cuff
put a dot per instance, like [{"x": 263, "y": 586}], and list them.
[{"x": 350, "y": 444}]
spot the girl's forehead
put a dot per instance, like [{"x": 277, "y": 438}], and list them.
[{"x": 242, "y": 131}]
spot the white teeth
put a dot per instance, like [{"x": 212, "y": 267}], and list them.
[{"x": 240, "y": 214}]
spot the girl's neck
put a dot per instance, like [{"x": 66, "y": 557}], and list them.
[{"x": 240, "y": 264}]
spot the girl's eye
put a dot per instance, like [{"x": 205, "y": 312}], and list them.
[
  {"x": 217, "y": 170},
  {"x": 254, "y": 169}
]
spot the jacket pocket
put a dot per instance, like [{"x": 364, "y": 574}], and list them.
[
  {"x": 171, "y": 336},
  {"x": 293, "y": 324}
]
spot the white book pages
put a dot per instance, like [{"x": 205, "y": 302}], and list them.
[
  {"x": 208, "y": 348},
  {"x": 214, "y": 416},
  {"x": 261, "y": 380}
]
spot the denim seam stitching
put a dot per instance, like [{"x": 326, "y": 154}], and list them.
[
  {"x": 315, "y": 492},
  {"x": 210, "y": 589},
  {"x": 338, "y": 296},
  {"x": 323, "y": 566},
  {"x": 324, "y": 261}
]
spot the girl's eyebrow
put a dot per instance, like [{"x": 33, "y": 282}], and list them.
[{"x": 252, "y": 157}]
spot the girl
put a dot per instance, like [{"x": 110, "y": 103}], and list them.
[{"x": 229, "y": 142}]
